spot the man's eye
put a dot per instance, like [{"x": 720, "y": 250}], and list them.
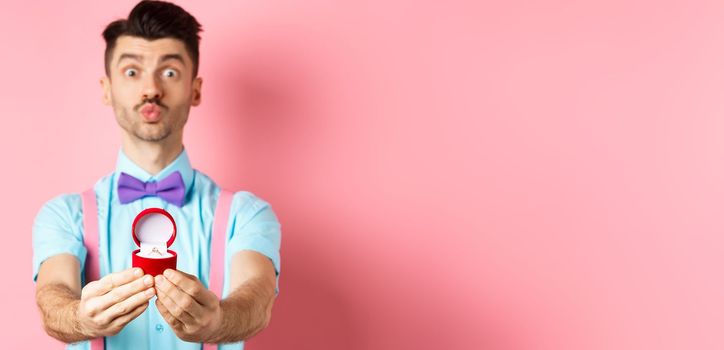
[
  {"x": 130, "y": 72},
  {"x": 170, "y": 73}
]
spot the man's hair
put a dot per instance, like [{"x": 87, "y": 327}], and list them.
[{"x": 152, "y": 20}]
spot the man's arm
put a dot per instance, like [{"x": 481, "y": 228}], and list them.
[
  {"x": 57, "y": 293},
  {"x": 101, "y": 308},
  {"x": 253, "y": 281},
  {"x": 196, "y": 314}
]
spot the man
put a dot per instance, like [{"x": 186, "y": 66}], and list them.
[{"x": 151, "y": 82}]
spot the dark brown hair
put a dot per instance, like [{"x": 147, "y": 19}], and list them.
[{"x": 152, "y": 20}]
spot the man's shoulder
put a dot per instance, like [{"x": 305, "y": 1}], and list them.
[
  {"x": 68, "y": 206},
  {"x": 63, "y": 201},
  {"x": 204, "y": 181},
  {"x": 245, "y": 206},
  {"x": 247, "y": 198},
  {"x": 62, "y": 210},
  {"x": 242, "y": 200}
]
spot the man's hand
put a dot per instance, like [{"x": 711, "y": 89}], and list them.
[
  {"x": 192, "y": 311},
  {"x": 197, "y": 315},
  {"x": 107, "y": 305}
]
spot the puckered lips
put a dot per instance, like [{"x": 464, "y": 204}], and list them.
[{"x": 151, "y": 112}]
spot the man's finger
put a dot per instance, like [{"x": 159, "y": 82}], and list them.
[
  {"x": 123, "y": 320},
  {"x": 94, "y": 289},
  {"x": 170, "y": 319},
  {"x": 128, "y": 305},
  {"x": 117, "y": 279},
  {"x": 179, "y": 297},
  {"x": 190, "y": 285},
  {"x": 119, "y": 294},
  {"x": 177, "y": 311}
]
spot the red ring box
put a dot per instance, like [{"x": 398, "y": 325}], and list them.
[{"x": 155, "y": 229}]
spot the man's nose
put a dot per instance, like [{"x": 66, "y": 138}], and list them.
[{"x": 152, "y": 88}]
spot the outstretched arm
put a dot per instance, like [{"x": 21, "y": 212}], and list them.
[
  {"x": 196, "y": 314},
  {"x": 101, "y": 308}
]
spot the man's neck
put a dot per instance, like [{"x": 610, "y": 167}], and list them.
[{"x": 152, "y": 157}]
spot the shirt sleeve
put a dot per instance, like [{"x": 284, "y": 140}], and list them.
[
  {"x": 57, "y": 229},
  {"x": 255, "y": 226}
]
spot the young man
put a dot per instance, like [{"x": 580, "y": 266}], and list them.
[{"x": 151, "y": 83}]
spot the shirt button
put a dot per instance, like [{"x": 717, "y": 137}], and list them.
[{"x": 159, "y": 327}]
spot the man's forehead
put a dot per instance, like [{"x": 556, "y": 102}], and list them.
[{"x": 149, "y": 49}]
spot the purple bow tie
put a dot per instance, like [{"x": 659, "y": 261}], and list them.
[{"x": 171, "y": 189}]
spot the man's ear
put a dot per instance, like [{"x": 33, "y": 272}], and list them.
[
  {"x": 196, "y": 98},
  {"x": 106, "y": 86}
]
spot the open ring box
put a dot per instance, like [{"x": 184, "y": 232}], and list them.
[{"x": 154, "y": 230}]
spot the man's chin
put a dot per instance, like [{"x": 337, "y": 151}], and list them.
[{"x": 151, "y": 136}]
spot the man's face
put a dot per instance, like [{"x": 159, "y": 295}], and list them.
[{"x": 150, "y": 87}]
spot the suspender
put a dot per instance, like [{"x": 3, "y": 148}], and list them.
[
  {"x": 90, "y": 239},
  {"x": 218, "y": 247}
]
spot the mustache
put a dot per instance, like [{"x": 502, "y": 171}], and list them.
[{"x": 153, "y": 100}]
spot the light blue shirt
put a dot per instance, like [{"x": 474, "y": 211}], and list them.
[{"x": 58, "y": 228}]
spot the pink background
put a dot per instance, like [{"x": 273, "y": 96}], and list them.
[{"x": 467, "y": 175}]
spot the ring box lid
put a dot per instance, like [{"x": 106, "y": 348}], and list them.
[{"x": 154, "y": 226}]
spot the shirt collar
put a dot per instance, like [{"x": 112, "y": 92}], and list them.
[{"x": 180, "y": 164}]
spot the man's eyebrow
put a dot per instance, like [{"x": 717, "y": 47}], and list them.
[
  {"x": 164, "y": 58},
  {"x": 129, "y": 56},
  {"x": 173, "y": 56}
]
